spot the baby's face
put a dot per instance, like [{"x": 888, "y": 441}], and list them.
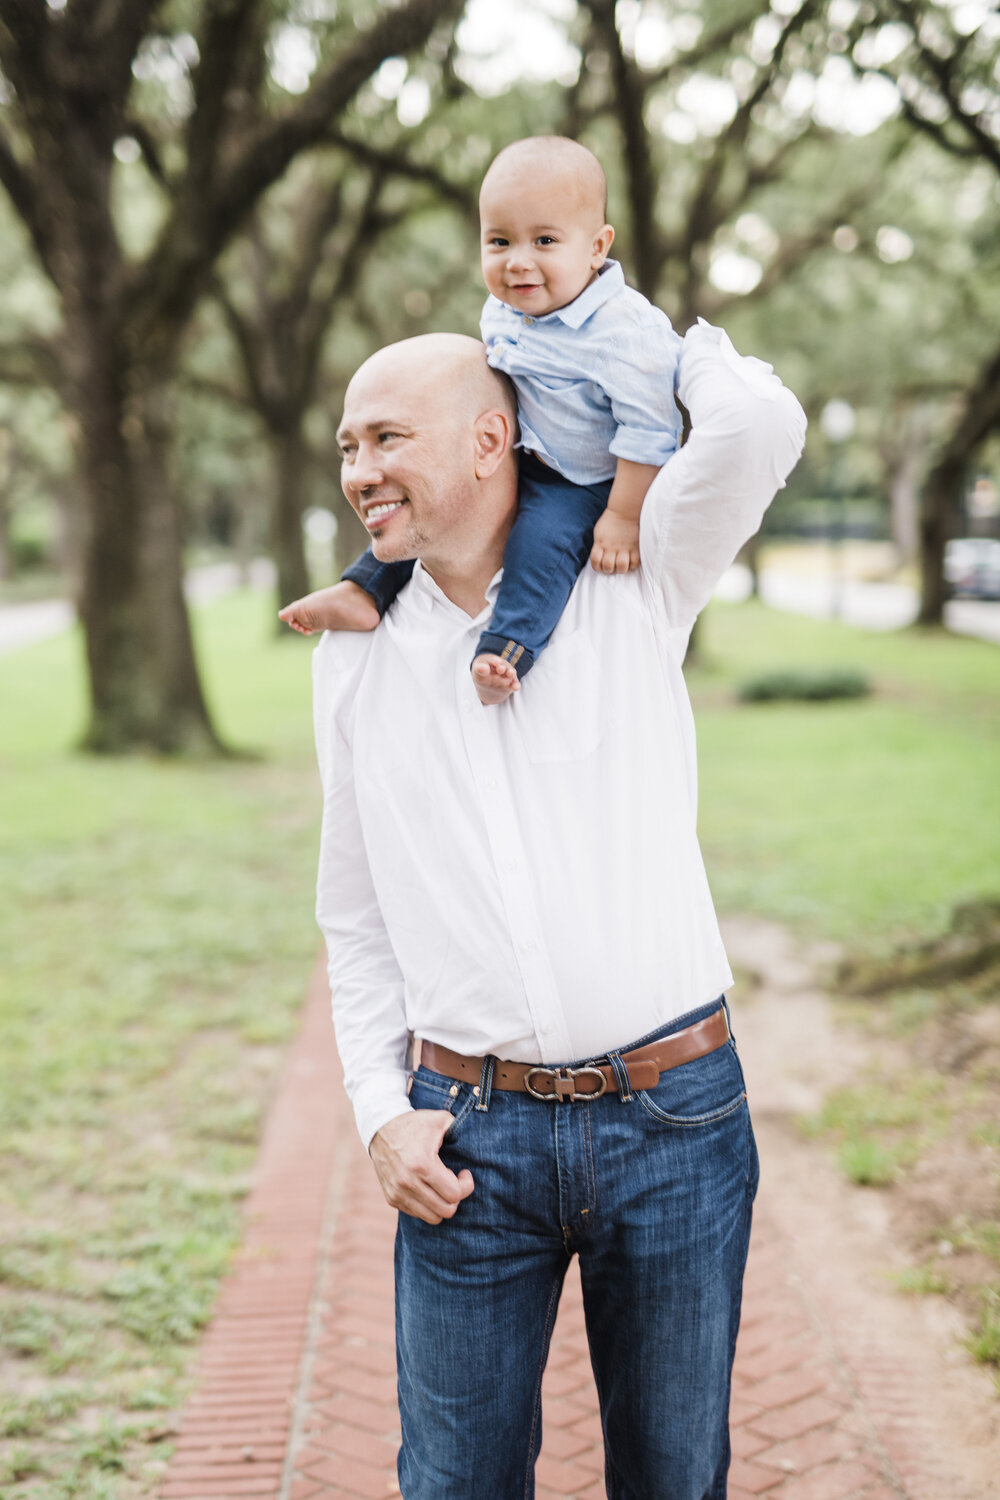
[{"x": 541, "y": 242}]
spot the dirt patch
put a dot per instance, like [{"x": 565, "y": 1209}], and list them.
[{"x": 899, "y": 1273}]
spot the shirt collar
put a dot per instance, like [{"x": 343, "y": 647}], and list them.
[
  {"x": 610, "y": 280},
  {"x": 428, "y": 590}
]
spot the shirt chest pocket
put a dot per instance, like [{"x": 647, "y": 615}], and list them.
[{"x": 558, "y": 710}]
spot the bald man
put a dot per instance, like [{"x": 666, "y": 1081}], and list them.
[
  {"x": 513, "y": 899},
  {"x": 594, "y": 367}
]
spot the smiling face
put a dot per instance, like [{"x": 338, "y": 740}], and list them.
[
  {"x": 425, "y": 423},
  {"x": 541, "y": 212}
]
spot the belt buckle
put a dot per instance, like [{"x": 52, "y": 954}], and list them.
[{"x": 564, "y": 1083}]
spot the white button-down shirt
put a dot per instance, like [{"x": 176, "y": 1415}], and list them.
[
  {"x": 525, "y": 880},
  {"x": 594, "y": 379}
]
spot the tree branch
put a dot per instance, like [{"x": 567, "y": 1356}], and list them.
[
  {"x": 214, "y": 199},
  {"x": 266, "y": 151},
  {"x": 21, "y": 189},
  {"x": 942, "y": 71},
  {"x": 400, "y": 165}
]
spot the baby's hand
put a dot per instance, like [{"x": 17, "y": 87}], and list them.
[
  {"x": 344, "y": 606},
  {"x": 616, "y": 544}
]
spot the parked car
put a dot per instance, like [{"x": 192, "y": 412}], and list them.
[{"x": 972, "y": 567}]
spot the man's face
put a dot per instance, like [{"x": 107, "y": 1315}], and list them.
[
  {"x": 406, "y": 461},
  {"x": 541, "y": 242}
]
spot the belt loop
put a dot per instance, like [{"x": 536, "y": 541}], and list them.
[
  {"x": 485, "y": 1086},
  {"x": 729, "y": 1019},
  {"x": 621, "y": 1073}
]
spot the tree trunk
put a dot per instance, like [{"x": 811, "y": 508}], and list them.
[
  {"x": 6, "y": 558},
  {"x": 145, "y": 691},
  {"x": 287, "y": 543},
  {"x": 904, "y": 504},
  {"x": 352, "y": 539},
  {"x": 937, "y": 509}
]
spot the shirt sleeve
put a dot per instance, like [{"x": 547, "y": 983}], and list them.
[
  {"x": 747, "y": 432},
  {"x": 366, "y": 985},
  {"x": 639, "y": 381}
]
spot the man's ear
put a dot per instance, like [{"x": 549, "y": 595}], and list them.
[
  {"x": 494, "y": 435},
  {"x": 602, "y": 244}
]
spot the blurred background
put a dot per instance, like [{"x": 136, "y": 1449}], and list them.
[{"x": 210, "y": 214}]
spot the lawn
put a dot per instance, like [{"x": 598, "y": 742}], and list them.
[
  {"x": 157, "y": 932},
  {"x": 864, "y": 819}
]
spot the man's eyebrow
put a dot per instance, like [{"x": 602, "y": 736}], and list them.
[{"x": 377, "y": 424}]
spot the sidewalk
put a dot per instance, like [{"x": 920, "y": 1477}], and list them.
[{"x": 295, "y": 1390}]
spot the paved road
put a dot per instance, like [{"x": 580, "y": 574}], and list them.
[
  {"x": 23, "y": 624},
  {"x": 296, "y": 1395},
  {"x": 875, "y": 606}
]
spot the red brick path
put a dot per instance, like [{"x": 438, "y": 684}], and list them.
[{"x": 295, "y": 1395}]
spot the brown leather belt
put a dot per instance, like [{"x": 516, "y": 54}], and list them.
[{"x": 643, "y": 1064}]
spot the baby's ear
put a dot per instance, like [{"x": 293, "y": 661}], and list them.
[{"x": 602, "y": 244}]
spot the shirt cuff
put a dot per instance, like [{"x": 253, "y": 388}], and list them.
[
  {"x": 379, "y": 1100},
  {"x": 640, "y": 446}
]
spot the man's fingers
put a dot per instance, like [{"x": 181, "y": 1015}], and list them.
[{"x": 412, "y": 1175}]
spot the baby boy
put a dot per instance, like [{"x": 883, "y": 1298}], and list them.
[{"x": 593, "y": 364}]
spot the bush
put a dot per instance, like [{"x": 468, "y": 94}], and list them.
[{"x": 815, "y": 686}]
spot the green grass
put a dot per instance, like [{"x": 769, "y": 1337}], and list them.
[
  {"x": 156, "y": 925},
  {"x": 882, "y": 1126},
  {"x": 862, "y": 820},
  {"x": 157, "y": 931}
]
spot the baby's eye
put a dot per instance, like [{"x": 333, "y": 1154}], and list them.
[
  {"x": 497, "y": 241},
  {"x": 546, "y": 239}
]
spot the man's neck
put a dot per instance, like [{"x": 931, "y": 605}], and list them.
[{"x": 466, "y": 586}]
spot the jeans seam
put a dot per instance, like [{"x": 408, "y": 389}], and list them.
[
  {"x": 588, "y": 1144},
  {"x": 550, "y": 1318}
]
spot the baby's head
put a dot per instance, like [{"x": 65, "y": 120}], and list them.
[{"x": 542, "y": 208}]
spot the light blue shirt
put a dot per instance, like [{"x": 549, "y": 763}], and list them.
[{"x": 595, "y": 379}]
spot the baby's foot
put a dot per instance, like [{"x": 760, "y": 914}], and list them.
[
  {"x": 494, "y": 678},
  {"x": 344, "y": 606}
]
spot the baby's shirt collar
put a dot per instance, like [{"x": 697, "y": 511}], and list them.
[{"x": 610, "y": 279}]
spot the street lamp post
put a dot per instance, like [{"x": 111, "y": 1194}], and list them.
[{"x": 838, "y": 420}]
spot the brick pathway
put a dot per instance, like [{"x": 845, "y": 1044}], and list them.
[{"x": 295, "y": 1392}]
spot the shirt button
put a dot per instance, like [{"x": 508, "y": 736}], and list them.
[
  {"x": 488, "y": 784},
  {"x": 530, "y": 946},
  {"x": 547, "y": 1030},
  {"x": 529, "y": 322},
  {"x": 468, "y": 708}
]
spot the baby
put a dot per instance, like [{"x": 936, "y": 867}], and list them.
[{"x": 593, "y": 364}]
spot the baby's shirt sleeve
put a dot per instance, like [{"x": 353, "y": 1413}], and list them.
[{"x": 639, "y": 379}]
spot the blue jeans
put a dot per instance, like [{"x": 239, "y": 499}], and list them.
[
  {"x": 654, "y": 1194},
  {"x": 548, "y": 546}
]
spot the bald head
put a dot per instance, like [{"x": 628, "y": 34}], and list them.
[
  {"x": 556, "y": 160},
  {"x": 439, "y": 366},
  {"x": 427, "y": 459}
]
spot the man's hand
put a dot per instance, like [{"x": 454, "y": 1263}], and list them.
[{"x": 410, "y": 1171}]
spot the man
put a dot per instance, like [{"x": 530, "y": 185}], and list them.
[{"x": 520, "y": 889}]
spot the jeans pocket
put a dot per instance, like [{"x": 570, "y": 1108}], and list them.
[
  {"x": 699, "y": 1092},
  {"x": 435, "y": 1091}
]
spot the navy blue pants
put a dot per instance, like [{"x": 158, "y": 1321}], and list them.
[
  {"x": 548, "y": 546},
  {"x": 653, "y": 1191}
]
